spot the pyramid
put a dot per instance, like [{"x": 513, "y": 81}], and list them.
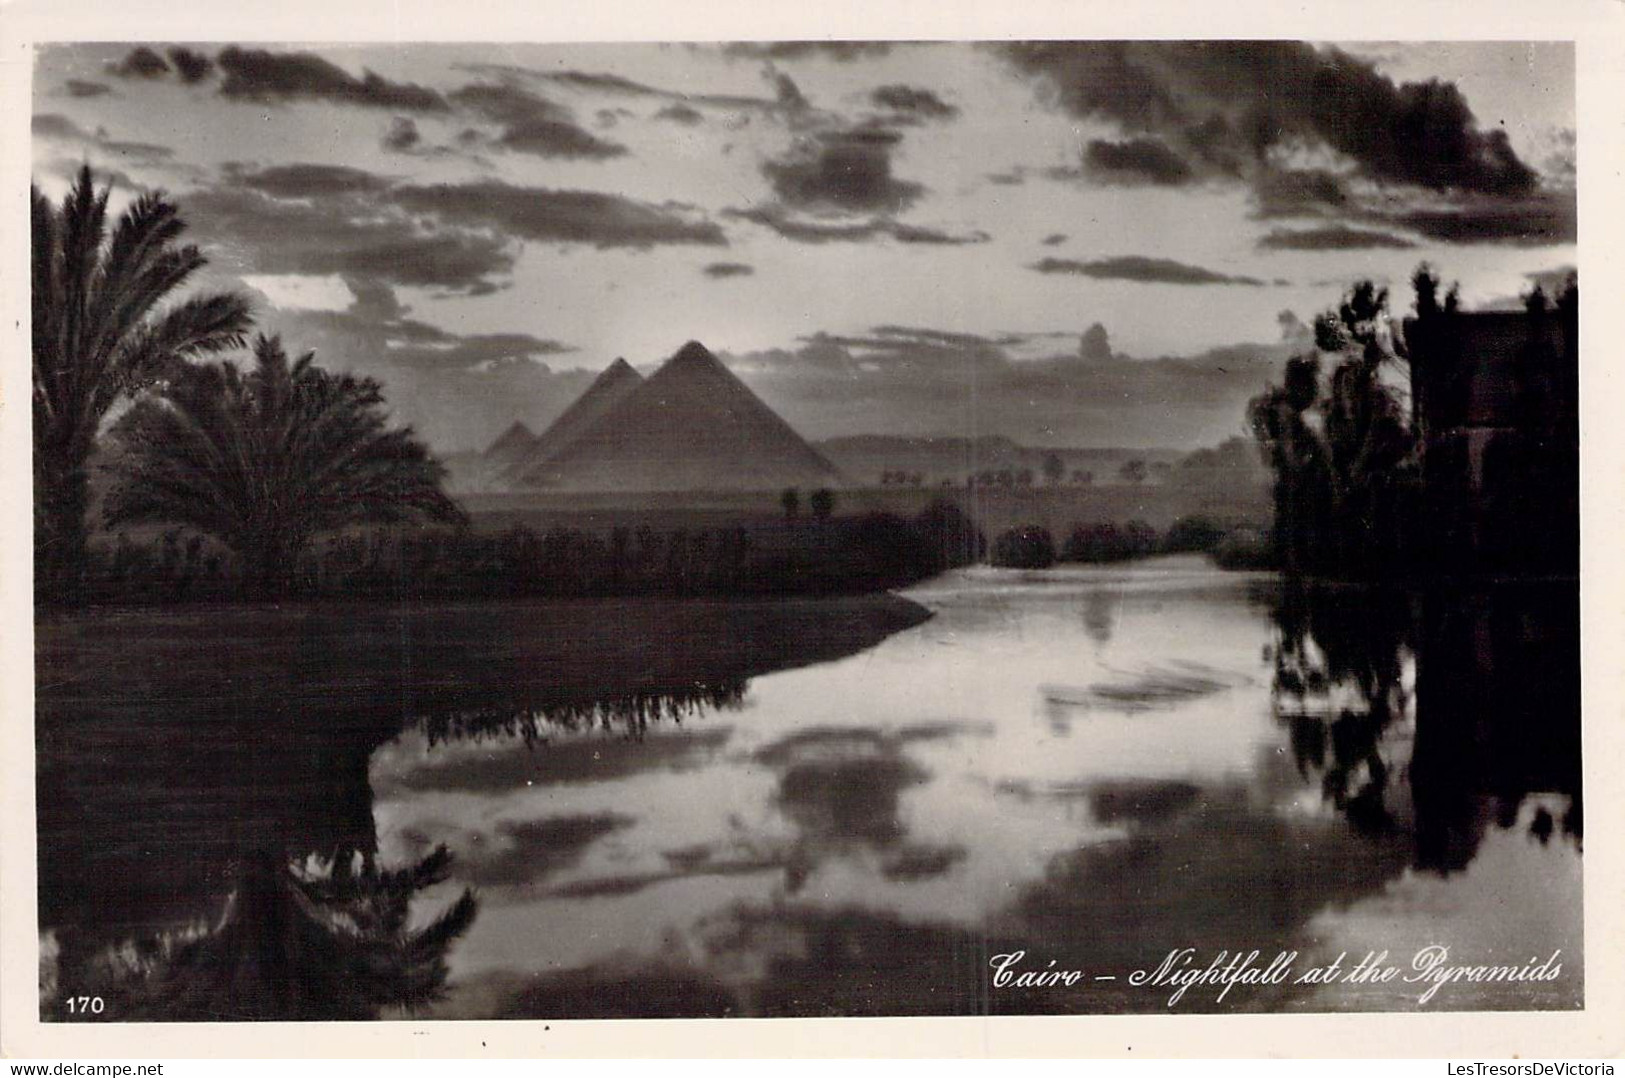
[
  {"x": 613, "y": 383},
  {"x": 510, "y": 446},
  {"x": 692, "y": 425}
]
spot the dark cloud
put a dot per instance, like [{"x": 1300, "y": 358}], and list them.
[
  {"x": 720, "y": 270},
  {"x": 1228, "y": 105},
  {"x": 532, "y": 124},
  {"x": 192, "y": 67},
  {"x": 841, "y": 51},
  {"x": 1136, "y": 160},
  {"x": 262, "y": 75},
  {"x": 140, "y": 63},
  {"x": 562, "y": 216},
  {"x": 1332, "y": 238},
  {"x": 1142, "y": 269},
  {"x": 54, "y": 125},
  {"x": 307, "y": 180},
  {"x": 82, "y": 88},
  {"x": 848, "y": 171},
  {"x": 1531, "y": 222},
  {"x": 1298, "y": 193},
  {"x": 601, "y": 82},
  {"x": 913, "y": 101},
  {"x": 344, "y": 234},
  {"x": 816, "y": 230},
  {"x": 1054, "y": 239},
  {"x": 680, "y": 113},
  {"x": 403, "y": 135}
]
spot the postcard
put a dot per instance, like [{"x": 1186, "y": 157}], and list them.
[{"x": 1046, "y": 522}]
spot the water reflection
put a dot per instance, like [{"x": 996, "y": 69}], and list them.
[
  {"x": 1438, "y": 714},
  {"x": 1091, "y": 766}
]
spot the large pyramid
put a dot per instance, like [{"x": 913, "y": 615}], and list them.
[
  {"x": 692, "y": 425},
  {"x": 614, "y": 383}
]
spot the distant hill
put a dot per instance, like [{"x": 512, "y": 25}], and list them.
[
  {"x": 606, "y": 391},
  {"x": 691, "y": 425}
]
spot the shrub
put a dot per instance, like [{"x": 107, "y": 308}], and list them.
[{"x": 1026, "y": 547}]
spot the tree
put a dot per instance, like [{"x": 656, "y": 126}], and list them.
[
  {"x": 1054, "y": 468},
  {"x": 790, "y": 501},
  {"x": 822, "y": 503},
  {"x": 98, "y": 336},
  {"x": 1133, "y": 471},
  {"x": 266, "y": 460}
]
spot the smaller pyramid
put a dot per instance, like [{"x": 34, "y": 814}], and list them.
[
  {"x": 606, "y": 391},
  {"x": 510, "y": 446}
]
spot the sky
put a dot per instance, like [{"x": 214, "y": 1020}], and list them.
[{"x": 1064, "y": 243}]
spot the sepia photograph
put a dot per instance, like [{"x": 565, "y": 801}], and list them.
[{"x": 805, "y": 528}]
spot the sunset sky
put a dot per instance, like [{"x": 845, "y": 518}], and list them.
[{"x": 1068, "y": 244}]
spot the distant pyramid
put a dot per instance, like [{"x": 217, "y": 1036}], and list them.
[
  {"x": 612, "y": 384},
  {"x": 511, "y": 445},
  {"x": 692, "y": 425}
]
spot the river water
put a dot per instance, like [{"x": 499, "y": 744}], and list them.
[{"x": 1098, "y": 770}]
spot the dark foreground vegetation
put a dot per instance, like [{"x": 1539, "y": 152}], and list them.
[
  {"x": 843, "y": 555},
  {"x": 1232, "y": 545}
]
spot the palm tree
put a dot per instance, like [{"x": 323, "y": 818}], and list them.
[
  {"x": 264, "y": 461},
  {"x": 98, "y": 336}
]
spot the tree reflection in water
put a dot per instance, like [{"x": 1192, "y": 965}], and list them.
[
  {"x": 298, "y": 919},
  {"x": 1433, "y": 713},
  {"x": 312, "y": 941},
  {"x": 627, "y": 712}
]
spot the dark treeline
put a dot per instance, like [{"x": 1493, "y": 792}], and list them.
[
  {"x": 871, "y": 552},
  {"x": 1231, "y": 546},
  {"x": 1427, "y": 443}
]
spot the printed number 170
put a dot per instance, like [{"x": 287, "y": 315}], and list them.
[{"x": 85, "y": 1005}]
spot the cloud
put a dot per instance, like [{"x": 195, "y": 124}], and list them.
[
  {"x": 1054, "y": 239},
  {"x": 82, "y": 88},
  {"x": 1538, "y": 221},
  {"x": 54, "y": 125},
  {"x": 839, "y": 51},
  {"x": 140, "y": 63},
  {"x": 458, "y": 391},
  {"x": 192, "y": 67},
  {"x": 1226, "y": 106},
  {"x": 680, "y": 113},
  {"x": 720, "y": 270},
  {"x": 350, "y": 233},
  {"x": 562, "y": 216},
  {"x": 307, "y": 180},
  {"x": 532, "y": 124},
  {"x": 848, "y": 171},
  {"x": 403, "y": 135},
  {"x": 1142, "y": 269},
  {"x": 1137, "y": 160},
  {"x": 262, "y": 75},
  {"x": 914, "y": 381},
  {"x": 1332, "y": 238},
  {"x": 914, "y": 102},
  {"x": 1297, "y": 193},
  {"x": 818, "y": 230}
]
